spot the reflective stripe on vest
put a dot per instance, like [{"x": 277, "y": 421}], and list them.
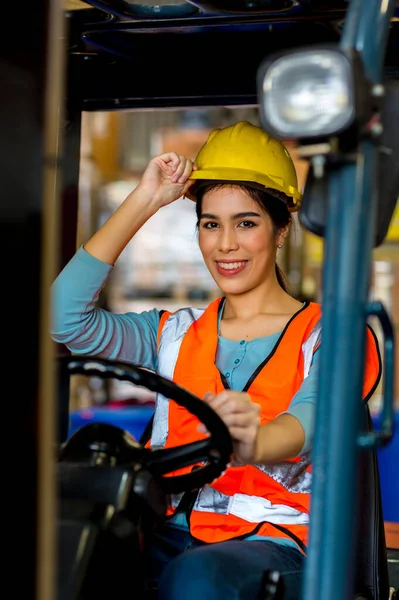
[
  {"x": 168, "y": 350},
  {"x": 293, "y": 476},
  {"x": 252, "y": 509}
]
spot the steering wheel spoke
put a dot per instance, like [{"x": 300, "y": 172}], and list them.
[
  {"x": 165, "y": 461},
  {"x": 209, "y": 456}
]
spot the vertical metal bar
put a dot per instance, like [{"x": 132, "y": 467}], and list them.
[
  {"x": 346, "y": 277},
  {"x": 348, "y": 244},
  {"x": 67, "y": 240},
  {"x": 366, "y": 29},
  {"x": 53, "y": 116},
  {"x": 23, "y": 68}
]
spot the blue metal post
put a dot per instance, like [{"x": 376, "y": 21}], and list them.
[{"x": 346, "y": 278}]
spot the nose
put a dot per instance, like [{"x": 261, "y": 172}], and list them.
[{"x": 227, "y": 240}]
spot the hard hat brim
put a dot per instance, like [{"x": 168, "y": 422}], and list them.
[{"x": 244, "y": 176}]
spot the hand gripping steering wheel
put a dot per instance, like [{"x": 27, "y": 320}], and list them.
[{"x": 215, "y": 451}]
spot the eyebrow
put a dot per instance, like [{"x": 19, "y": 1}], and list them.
[{"x": 240, "y": 215}]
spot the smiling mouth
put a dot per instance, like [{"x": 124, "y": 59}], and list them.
[{"x": 231, "y": 268}]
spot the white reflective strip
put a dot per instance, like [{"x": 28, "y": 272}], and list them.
[
  {"x": 160, "y": 426},
  {"x": 253, "y": 509},
  {"x": 291, "y": 475},
  {"x": 174, "y": 499},
  {"x": 176, "y": 326},
  {"x": 309, "y": 346},
  {"x": 172, "y": 335},
  {"x": 211, "y": 500}
]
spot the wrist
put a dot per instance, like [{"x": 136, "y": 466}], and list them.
[
  {"x": 146, "y": 203},
  {"x": 258, "y": 457}
]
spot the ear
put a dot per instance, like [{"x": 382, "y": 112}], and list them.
[{"x": 281, "y": 235}]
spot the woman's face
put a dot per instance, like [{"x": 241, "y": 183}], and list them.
[{"x": 237, "y": 240}]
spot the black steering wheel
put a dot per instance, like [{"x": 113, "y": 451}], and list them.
[{"x": 214, "y": 452}]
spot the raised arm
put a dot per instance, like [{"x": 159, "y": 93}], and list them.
[{"x": 76, "y": 321}]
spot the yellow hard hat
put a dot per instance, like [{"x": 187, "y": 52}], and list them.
[{"x": 246, "y": 153}]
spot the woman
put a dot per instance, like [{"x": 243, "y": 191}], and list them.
[{"x": 252, "y": 355}]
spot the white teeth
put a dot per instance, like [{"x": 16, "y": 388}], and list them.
[{"x": 231, "y": 266}]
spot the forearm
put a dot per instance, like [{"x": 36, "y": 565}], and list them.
[
  {"x": 279, "y": 440},
  {"x": 112, "y": 238}
]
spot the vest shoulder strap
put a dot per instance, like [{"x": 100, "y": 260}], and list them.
[{"x": 164, "y": 316}]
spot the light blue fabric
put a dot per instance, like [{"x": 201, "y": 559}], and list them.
[
  {"x": 131, "y": 337},
  {"x": 238, "y": 360}
]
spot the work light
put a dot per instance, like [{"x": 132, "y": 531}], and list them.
[{"x": 312, "y": 92}]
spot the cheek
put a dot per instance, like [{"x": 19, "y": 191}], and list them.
[
  {"x": 261, "y": 243},
  {"x": 205, "y": 243}
]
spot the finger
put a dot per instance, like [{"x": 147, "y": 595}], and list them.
[
  {"x": 229, "y": 403},
  {"x": 222, "y": 406},
  {"x": 202, "y": 429},
  {"x": 231, "y": 394},
  {"x": 229, "y": 411},
  {"x": 219, "y": 399},
  {"x": 188, "y": 168},
  {"x": 172, "y": 159},
  {"x": 183, "y": 170},
  {"x": 240, "y": 420},
  {"x": 208, "y": 396},
  {"x": 244, "y": 435}
]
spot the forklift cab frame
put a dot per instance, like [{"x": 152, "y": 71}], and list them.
[{"x": 214, "y": 53}]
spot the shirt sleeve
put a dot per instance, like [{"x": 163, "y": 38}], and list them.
[
  {"x": 303, "y": 404},
  {"x": 86, "y": 329}
]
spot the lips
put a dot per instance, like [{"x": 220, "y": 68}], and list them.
[{"x": 231, "y": 268}]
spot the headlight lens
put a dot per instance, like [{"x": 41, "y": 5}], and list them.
[{"x": 308, "y": 94}]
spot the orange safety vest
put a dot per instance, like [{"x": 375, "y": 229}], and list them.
[{"x": 264, "y": 499}]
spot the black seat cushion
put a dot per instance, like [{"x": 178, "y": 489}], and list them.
[{"x": 371, "y": 567}]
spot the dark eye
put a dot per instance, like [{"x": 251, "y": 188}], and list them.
[
  {"x": 210, "y": 225},
  {"x": 246, "y": 224}
]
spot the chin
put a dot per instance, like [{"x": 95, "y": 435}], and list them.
[
  {"x": 233, "y": 287},
  {"x": 235, "y": 292}
]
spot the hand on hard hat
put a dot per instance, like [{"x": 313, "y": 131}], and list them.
[{"x": 166, "y": 178}]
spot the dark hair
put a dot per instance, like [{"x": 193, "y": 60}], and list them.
[{"x": 275, "y": 207}]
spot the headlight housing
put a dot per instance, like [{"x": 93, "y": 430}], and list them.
[{"x": 312, "y": 93}]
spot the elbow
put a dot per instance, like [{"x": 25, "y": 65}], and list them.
[
  {"x": 61, "y": 328},
  {"x": 60, "y": 335},
  {"x": 57, "y": 330},
  {"x": 64, "y": 329}
]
